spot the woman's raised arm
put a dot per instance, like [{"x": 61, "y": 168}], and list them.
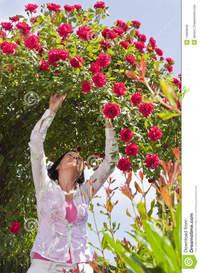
[
  {"x": 37, "y": 138},
  {"x": 105, "y": 168}
]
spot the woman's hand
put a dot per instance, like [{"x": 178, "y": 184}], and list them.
[
  {"x": 108, "y": 122},
  {"x": 56, "y": 101}
]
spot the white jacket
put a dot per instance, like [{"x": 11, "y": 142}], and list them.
[{"x": 55, "y": 234}]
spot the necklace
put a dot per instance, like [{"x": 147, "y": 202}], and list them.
[{"x": 70, "y": 192}]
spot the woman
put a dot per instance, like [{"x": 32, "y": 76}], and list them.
[{"x": 63, "y": 200}]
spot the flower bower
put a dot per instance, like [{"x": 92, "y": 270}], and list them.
[{"x": 68, "y": 50}]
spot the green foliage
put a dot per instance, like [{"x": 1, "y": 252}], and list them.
[{"x": 24, "y": 92}]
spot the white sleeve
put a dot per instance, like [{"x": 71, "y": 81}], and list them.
[
  {"x": 107, "y": 166},
  {"x": 38, "y": 159}
]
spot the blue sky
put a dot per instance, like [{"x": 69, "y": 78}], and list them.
[{"x": 159, "y": 19}]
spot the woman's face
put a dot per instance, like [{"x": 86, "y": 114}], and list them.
[{"x": 73, "y": 160}]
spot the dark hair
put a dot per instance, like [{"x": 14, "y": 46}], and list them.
[{"x": 53, "y": 173}]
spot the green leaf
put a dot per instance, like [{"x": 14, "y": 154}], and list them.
[
  {"x": 146, "y": 124},
  {"x": 141, "y": 209},
  {"x": 104, "y": 243},
  {"x": 90, "y": 226},
  {"x": 167, "y": 115},
  {"x": 91, "y": 206},
  {"x": 162, "y": 249},
  {"x": 127, "y": 213},
  {"x": 132, "y": 262},
  {"x": 168, "y": 91},
  {"x": 151, "y": 209},
  {"x": 39, "y": 19}
]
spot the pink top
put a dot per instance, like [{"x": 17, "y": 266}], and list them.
[{"x": 71, "y": 213}]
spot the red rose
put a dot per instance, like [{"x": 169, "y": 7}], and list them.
[
  {"x": 53, "y": 56},
  {"x": 84, "y": 33},
  {"x": 86, "y": 86},
  {"x": 131, "y": 149},
  {"x": 119, "y": 88},
  {"x": 63, "y": 54},
  {"x": 54, "y": 7},
  {"x": 15, "y": 227},
  {"x": 130, "y": 41},
  {"x": 151, "y": 180},
  {"x": 161, "y": 58},
  {"x": 136, "y": 24},
  {"x": 95, "y": 68},
  {"x": 118, "y": 30},
  {"x": 109, "y": 34},
  {"x": 124, "y": 44},
  {"x": 78, "y": 148},
  {"x": 2, "y": 34},
  {"x": 69, "y": 8},
  {"x": 76, "y": 61},
  {"x": 99, "y": 79},
  {"x": 78, "y": 7},
  {"x": 31, "y": 41},
  {"x": 31, "y": 7},
  {"x": 34, "y": 19},
  {"x": 122, "y": 24},
  {"x": 64, "y": 29},
  {"x": 57, "y": 54},
  {"x": 7, "y": 26},
  {"x": 44, "y": 65},
  {"x": 99, "y": 5},
  {"x": 152, "y": 42},
  {"x": 126, "y": 135},
  {"x": 131, "y": 59},
  {"x": 152, "y": 161},
  {"x": 8, "y": 48},
  {"x": 111, "y": 110},
  {"x": 136, "y": 98},
  {"x": 105, "y": 44},
  {"x": 140, "y": 46},
  {"x": 170, "y": 61},
  {"x": 137, "y": 34},
  {"x": 9, "y": 67},
  {"x": 14, "y": 19},
  {"x": 142, "y": 38},
  {"x": 170, "y": 68},
  {"x": 103, "y": 60},
  {"x": 177, "y": 82},
  {"x": 155, "y": 133},
  {"x": 124, "y": 164},
  {"x": 24, "y": 27},
  {"x": 146, "y": 109},
  {"x": 159, "y": 51}
]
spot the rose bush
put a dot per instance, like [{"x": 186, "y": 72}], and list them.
[{"x": 67, "y": 50}]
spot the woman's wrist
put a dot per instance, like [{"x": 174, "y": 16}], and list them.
[
  {"x": 108, "y": 123},
  {"x": 52, "y": 111}
]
